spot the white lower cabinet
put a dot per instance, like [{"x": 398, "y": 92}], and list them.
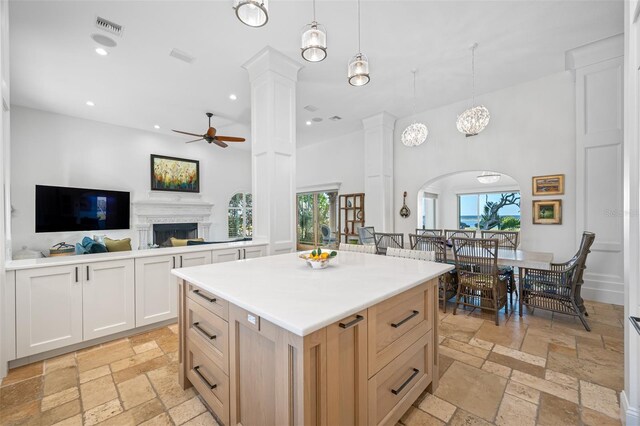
[
  {"x": 108, "y": 298},
  {"x": 48, "y": 309},
  {"x": 156, "y": 290},
  {"x": 226, "y": 255},
  {"x": 194, "y": 259},
  {"x": 254, "y": 252}
]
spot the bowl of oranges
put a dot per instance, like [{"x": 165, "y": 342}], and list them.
[{"x": 318, "y": 258}]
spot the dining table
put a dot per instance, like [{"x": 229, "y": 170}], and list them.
[{"x": 519, "y": 258}]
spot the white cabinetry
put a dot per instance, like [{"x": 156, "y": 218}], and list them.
[
  {"x": 253, "y": 252},
  {"x": 194, "y": 259},
  {"x": 229, "y": 255}
]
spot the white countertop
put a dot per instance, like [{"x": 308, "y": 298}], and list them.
[
  {"x": 285, "y": 291},
  {"x": 13, "y": 265}
]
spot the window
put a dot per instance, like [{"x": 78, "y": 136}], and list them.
[
  {"x": 240, "y": 215},
  {"x": 316, "y": 219},
  {"x": 493, "y": 210},
  {"x": 429, "y": 202}
]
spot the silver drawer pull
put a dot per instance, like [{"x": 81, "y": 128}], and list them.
[
  {"x": 208, "y": 299},
  {"x": 406, "y": 382},
  {"x": 398, "y": 324},
  {"x": 350, "y": 323},
  {"x": 204, "y": 379},
  {"x": 196, "y": 325}
]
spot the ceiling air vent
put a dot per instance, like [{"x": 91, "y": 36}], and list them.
[
  {"x": 183, "y": 56},
  {"x": 311, "y": 108},
  {"x": 335, "y": 118},
  {"x": 108, "y": 26}
]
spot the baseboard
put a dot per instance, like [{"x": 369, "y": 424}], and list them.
[
  {"x": 602, "y": 295},
  {"x": 629, "y": 416}
]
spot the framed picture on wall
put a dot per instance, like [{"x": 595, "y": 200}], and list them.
[
  {"x": 547, "y": 212},
  {"x": 174, "y": 174},
  {"x": 548, "y": 185}
]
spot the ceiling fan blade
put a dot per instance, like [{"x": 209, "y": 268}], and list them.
[
  {"x": 220, "y": 144},
  {"x": 230, "y": 139},
  {"x": 195, "y": 140},
  {"x": 186, "y": 133}
]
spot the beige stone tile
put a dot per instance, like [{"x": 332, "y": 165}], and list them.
[
  {"x": 460, "y": 385},
  {"x": 136, "y": 370},
  {"x": 102, "y": 412},
  {"x": 495, "y": 368},
  {"x": 103, "y": 356},
  {"x": 60, "y": 379},
  {"x": 481, "y": 344},
  {"x": 600, "y": 356},
  {"x": 204, "y": 419},
  {"x": 97, "y": 392},
  {"x": 445, "y": 362},
  {"x": 135, "y": 391},
  {"x": 505, "y": 335},
  {"x": 96, "y": 373},
  {"x": 613, "y": 344},
  {"x": 71, "y": 421},
  {"x": 520, "y": 356},
  {"x": 594, "y": 418},
  {"x": 516, "y": 409},
  {"x": 168, "y": 343},
  {"x": 463, "y": 418},
  {"x": 590, "y": 371},
  {"x": 562, "y": 350},
  {"x": 417, "y": 417},
  {"x": 556, "y": 411},
  {"x": 523, "y": 392},
  {"x": 173, "y": 328},
  {"x": 461, "y": 356},
  {"x": 599, "y": 398},
  {"x": 62, "y": 361},
  {"x": 61, "y": 412},
  {"x": 22, "y": 414},
  {"x": 160, "y": 420},
  {"x": 542, "y": 385},
  {"x": 148, "y": 336},
  {"x": 21, "y": 392},
  {"x": 173, "y": 356},
  {"x": 136, "y": 359},
  {"x": 561, "y": 378},
  {"x": 516, "y": 364},
  {"x": 62, "y": 397},
  {"x": 136, "y": 415},
  {"x": 187, "y": 410},
  {"x": 165, "y": 383},
  {"x": 460, "y": 327},
  {"x": 437, "y": 407},
  {"x": 19, "y": 374},
  {"x": 441, "y": 338},
  {"x": 466, "y": 348},
  {"x": 147, "y": 346}
]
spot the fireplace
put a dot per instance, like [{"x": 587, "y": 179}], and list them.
[{"x": 162, "y": 232}]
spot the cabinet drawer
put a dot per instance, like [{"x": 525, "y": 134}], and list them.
[
  {"x": 209, "y": 380},
  {"x": 210, "y": 301},
  {"x": 396, "y": 323},
  {"x": 209, "y": 333},
  {"x": 400, "y": 383}
]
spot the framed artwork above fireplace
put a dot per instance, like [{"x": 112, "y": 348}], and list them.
[{"x": 174, "y": 174}]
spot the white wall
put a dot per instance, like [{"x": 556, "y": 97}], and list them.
[
  {"x": 531, "y": 133},
  {"x": 55, "y": 149},
  {"x": 4, "y": 150}
]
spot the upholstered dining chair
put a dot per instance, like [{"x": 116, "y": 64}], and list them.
[
  {"x": 384, "y": 240},
  {"x": 365, "y": 233},
  {"x": 479, "y": 282},
  {"x": 358, "y": 248},
  {"x": 448, "y": 282},
  {"x": 411, "y": 254},
  {"x": 433, "y": 232},
  {"x": 459, "y": 233},
  {"x": 328, "y": 236}
]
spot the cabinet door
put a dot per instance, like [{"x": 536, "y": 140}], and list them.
[
  {"x": 108, "y": 298},
  {"x": 48, "y": 309},
  {"x": 194, "y": 259},
  {"x": 226, "y": 255},
  {"x": 253, "y": 252},
  {"x": 156, "y": 290},
  {"x": 347, "y": 371}
]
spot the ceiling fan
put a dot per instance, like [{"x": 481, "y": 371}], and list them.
[{"x": 210, "y": 136}]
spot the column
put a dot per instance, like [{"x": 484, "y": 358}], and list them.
[
  {"x": 378, "y": 171},
  {"x": 273, "y": 77}
]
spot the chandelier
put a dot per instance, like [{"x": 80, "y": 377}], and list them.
[
  {"x": 475, "y": 119},
  {"x": 416, "y": 133},
  {"x": 254, "y": 13},
  {"x": 488, "y": 177},
  {"x": 358, "y": 69},
  {"x": 314, "y": 40}
]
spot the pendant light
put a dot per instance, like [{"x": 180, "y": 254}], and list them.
[
  {"x": 475, "y": 119},
  {"x": 488, "y": 177},
  {"x": 314, "y": 40},
  {"x": 358, "y": 69},
  {"x": 254, "y": 13},
  {"x": 416, "y": 133}
]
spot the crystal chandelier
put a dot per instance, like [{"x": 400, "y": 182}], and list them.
[
  {"x": 254, "y": 13},
  {"x": 314, "y": 40},
  {"x": 416, "y": 133},
  {"x": 475, "y": 119},
  {"x": 488, "y": 177},
  {"x": 358, "y": 69}
]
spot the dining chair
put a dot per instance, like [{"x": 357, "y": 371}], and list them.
[
  {"x": 434, "y": 232},
  {"x": 479, "y": 282},
  {"x": 328, "y": 236},
  {"x": 358, "y": 248},
  {"x": 447, "y": 282},
  {"x": 558, "y": 289},
  {"x": 459, "y": 233},
  {"x": 384, "y": 240},
  {"x": 365, "y": 233},
  {"x": 411, "y": 254},
  {"x": 507, "y": 240}
]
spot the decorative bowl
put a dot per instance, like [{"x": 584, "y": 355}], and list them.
[{"x": 315, "y": 262}]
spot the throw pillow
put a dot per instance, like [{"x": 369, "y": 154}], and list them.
[
  {"x": 118, "y": 245},
  {"x": 177, "y": 242}
]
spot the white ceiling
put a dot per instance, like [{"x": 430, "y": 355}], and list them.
[{"x": 54, "y": 67}]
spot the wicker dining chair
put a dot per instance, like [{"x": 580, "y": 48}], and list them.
[
  {"x": 365, "y": 234},
  {"x": 384, "y": 240},
  {"x": 358, "y": 248},
  {"x": 433, "y": 232},
  {"x": 479, "y": 281},
  {"x": 411, "y": 254},
  {"x": 506, "y": 240},
  {"x": 458, "y": 233},
  {"x": 447, "y": 282},
  {"x": 558, "y": 289}
]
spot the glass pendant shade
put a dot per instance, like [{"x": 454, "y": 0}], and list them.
[
  {"x": 314, "y": 42},
  {"x": 473, "y": 121},
  {"x": 358, "y": 70},
  {"x": 489, "y": 177},
  {"x": 415, "y": 134},
  {"x": 254, "y": 13}
]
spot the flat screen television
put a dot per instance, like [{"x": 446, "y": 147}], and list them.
[{"x": 62, "y": 209}]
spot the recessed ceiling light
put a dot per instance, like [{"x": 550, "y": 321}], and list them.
[
  {"x": 316, "y": 119},
  {"x": 102, "y": 52},
  {"x": 156, "y": 126},
  {"x": 90, "y": 103},
  {"x": 308, "y": 123},
  {"x": 233, "y": 97}
]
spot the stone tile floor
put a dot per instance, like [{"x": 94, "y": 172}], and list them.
[{"x": 540, "y": 369}]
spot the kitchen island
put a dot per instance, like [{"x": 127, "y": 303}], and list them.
[{"x": 270, "y": 341}]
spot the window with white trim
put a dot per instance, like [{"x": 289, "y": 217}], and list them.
[{"x": 240, "y": 215}]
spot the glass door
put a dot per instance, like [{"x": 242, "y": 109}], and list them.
[{"x": 316, "y": 220}]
